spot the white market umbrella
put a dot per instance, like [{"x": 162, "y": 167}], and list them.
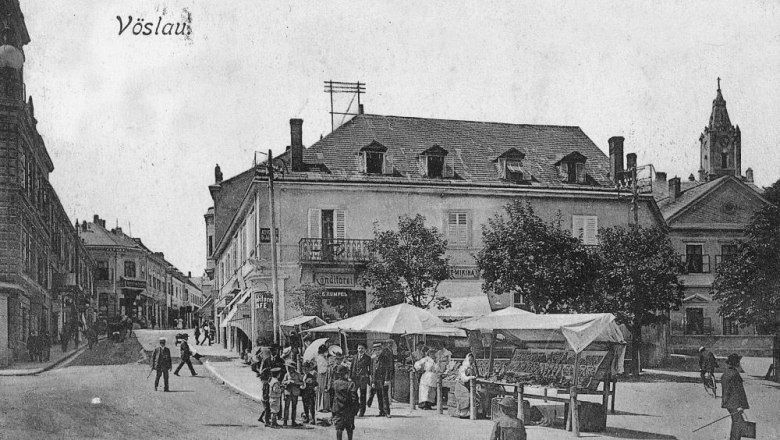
[
  {"x": 395, "y": 320},
  {"x": 313, "y": 348}
]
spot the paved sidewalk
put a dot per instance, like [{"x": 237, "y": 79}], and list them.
[{"x": 56, "y": 357}]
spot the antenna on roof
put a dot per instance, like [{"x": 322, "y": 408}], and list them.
[{"x": 355, "y": 89}]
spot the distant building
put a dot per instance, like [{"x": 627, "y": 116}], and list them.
[
  {"x": 368, "y": 172},
  {"x": 45, "y": 273},
  {"x": 706, "y": 218}
]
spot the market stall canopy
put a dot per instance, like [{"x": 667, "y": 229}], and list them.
[
  {"x": 396, "y": 320},
  {"x": 578, "y": 330},
  {"x": 301, "y": 323},
  {"x": 466, "y": 307}
]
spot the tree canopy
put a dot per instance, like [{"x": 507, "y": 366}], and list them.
[
  {"x": 524, "y": 255},
  {"x": 407, "y": 264},
  {"x": 748, "y": 284}
]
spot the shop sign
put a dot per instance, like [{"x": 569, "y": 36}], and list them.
[
  {"x": 265, "y": 235},
  {"x": 334, "y": 279},
  {"x": 464, "y": 272},
  {"x": 335, "y": 294}
]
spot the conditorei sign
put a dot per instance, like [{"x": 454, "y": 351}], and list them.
[{"x": 334, "y": 279}]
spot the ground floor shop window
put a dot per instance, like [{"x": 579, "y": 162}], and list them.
[{"x": 338, "y": 304}]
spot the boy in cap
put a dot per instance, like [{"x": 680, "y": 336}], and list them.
[
  {"x": 734, "y": 398},
  {"x": 508, "y": 426},
  {"x": 161, "y": 362},
  {"x": 292, "y": 389},
  {"x": 309, "y": 393},
  {"x": 274, "y": 397},
  {"x": 343, "y": 394}
]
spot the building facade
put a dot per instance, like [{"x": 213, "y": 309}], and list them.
[
  {"x": 706, "y": 217},
  {"x": 45, "y": 273},
  {"x": 329, "y": 198}
]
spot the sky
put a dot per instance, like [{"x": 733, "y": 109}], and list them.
[{"x": 136, "y": 124}]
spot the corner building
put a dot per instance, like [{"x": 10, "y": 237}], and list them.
[{"x": 375, "y": 168}]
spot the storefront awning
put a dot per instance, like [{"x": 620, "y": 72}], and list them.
[
  {"x": 233, "y": 307},
  {"x": 245, "y": 324}
]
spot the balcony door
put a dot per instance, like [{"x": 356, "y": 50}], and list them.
[{"x": 329, "y": 226}]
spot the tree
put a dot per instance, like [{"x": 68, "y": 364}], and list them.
[
  {"x": 307, "y": 298},
  {"x": 406, "y": 265},
  {"x": 637, "y": 279},
  {"x": 748, "y": 284},
  {"x": 523, "y": 255}
]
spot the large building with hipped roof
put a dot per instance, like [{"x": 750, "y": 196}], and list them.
[
  {"x": 331, "y": 196},
  {"x": 706, "y": 215}
]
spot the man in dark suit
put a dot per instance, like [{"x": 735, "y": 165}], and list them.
[
  {"x": 185, "y": 356},
  {"x": 361, "y": 375},
  {"x": 383, "y": 369},
  {"x": 161, "y": 362},
  {"x": 734, "y": 398}
]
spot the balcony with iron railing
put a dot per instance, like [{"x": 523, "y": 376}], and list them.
[
  {"x": 333, "y": 251},
  {"x": 695, "y": 263}
]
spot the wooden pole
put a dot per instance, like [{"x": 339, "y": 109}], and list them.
[
  {"x": 614, "y": 389},
  {"x": 605, "y": 394},
  {"x": 412, "y": 377},
  {"x": 575, "y": 421},
  {"x": 473, "y": 399},
  {"x": 490, "y": 362},
  {"x": 439, "y": 397},
  {"x": 520, "y": 390}
]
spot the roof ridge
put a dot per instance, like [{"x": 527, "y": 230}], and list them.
[{"x": 466, "y": 120}]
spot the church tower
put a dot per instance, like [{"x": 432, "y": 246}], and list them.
[{"x": 721, "y": 144}]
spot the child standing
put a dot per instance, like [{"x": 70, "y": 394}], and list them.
[
  {"x": 275, "y": 396},
  {"x": 292, "y": 389},
  {"x": 309, "y": 393},
  {"x": 345, "y": 403}
]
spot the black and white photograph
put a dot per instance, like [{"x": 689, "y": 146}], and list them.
[{"x": 389, "y": 220}]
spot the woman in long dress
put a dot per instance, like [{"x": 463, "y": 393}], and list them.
[
  {"x": 323, "y": 399},
  {"x": 429, "y": 379},
  {"x": 466, "y": 372}
]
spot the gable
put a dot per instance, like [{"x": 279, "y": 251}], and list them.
[{"x": 729, "y": 203}]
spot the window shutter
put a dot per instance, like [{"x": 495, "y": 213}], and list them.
[
  {"x": 591, "y": 230},
  {"x": 360, "y": 162},
  {"x": 449, "y": 166},
  {"x": 315, "y": 222},
  {"x": 501, "y": 168},
  {"x": 580, "y": 173},
  {"x": 387, "y": 164},
  {"x": 578, "y": 226},
  {"x": 563, "y": 170},
  {"x": 422, "y": 165},
  {"x": 340, "y": 220}
]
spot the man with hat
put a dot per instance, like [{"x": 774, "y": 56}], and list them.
[
  {"x": 707, "y": 365},
  {"x": 343, "y": 394},
  {"x": 383, "y": 373},
  {"x": 361, "y": 374},
  {"x": 734, "y": 398},
  {"x": 161, "y": 362},
  {"x": 508, "y": 426},
  {"x": 185, "y": 356},
  {"x": 292, "y": 383}
]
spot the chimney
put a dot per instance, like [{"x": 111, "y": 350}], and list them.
[
  {"x": 749, "y": 175},
  {"x": 615, "y": 157},
  {"x": 117, "y": 230},
  {"x": 660, "y": 177},
  {"x": 630, "y": 160},
  {"x": 84, "y": 226},
  {"x": 674, "y": 188},
  {"x": 189, "y": 274},
  {"x": 217, "y": 175},
  {"x": 296, "y": 144},
  {"x": 96, "y": 219},
  {"x": 360, "y": 109}
]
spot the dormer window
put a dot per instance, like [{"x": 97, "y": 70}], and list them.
[
  {"x": 510, "y": 166},
  {"x": 373, "y": 159},
  {"x": 572, "y": 168},
  {"x": 435, "y": 163}
]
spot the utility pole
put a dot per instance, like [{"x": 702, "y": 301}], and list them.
[
  {"x": 634, "y": 196},
  {"x": 274, "y": 287}
]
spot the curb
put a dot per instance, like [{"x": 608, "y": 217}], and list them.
[
  {"x": 54, "y": 364},
  {"x": 220, "y": 378}
]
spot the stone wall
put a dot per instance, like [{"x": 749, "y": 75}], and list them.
[{"x": 745, "y": 345}]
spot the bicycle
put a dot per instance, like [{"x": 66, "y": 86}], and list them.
[{"x": 710, "y": 384}]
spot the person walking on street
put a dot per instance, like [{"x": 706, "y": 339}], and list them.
[
  {"x": 707, "y": 366},
  {"x": 206, "y": 334},
  {"x": 212, "y": 332},
  {"x": 734, "y": 398},
  {"x": 361, "y": 375},
  {"x": 197, "y": 335},
  {"x": 185, "y": 356},
  {"x": 161, "y": 363},
  {"x": 508, "y": 426},
  {"x": 343, "y": 394},
  {"x": 383, "y": 371},
  {"x": 292, "y": 383}
]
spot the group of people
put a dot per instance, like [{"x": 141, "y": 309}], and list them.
[
  {"x": 431, "y": 364},
  {"x": 332, "y": 382},
  {"x": 162, "y": 362},
  {"x": 734, "y": 399},
  {"x": 208, "y": 330},
  {"x": 38, "y": 346}
]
